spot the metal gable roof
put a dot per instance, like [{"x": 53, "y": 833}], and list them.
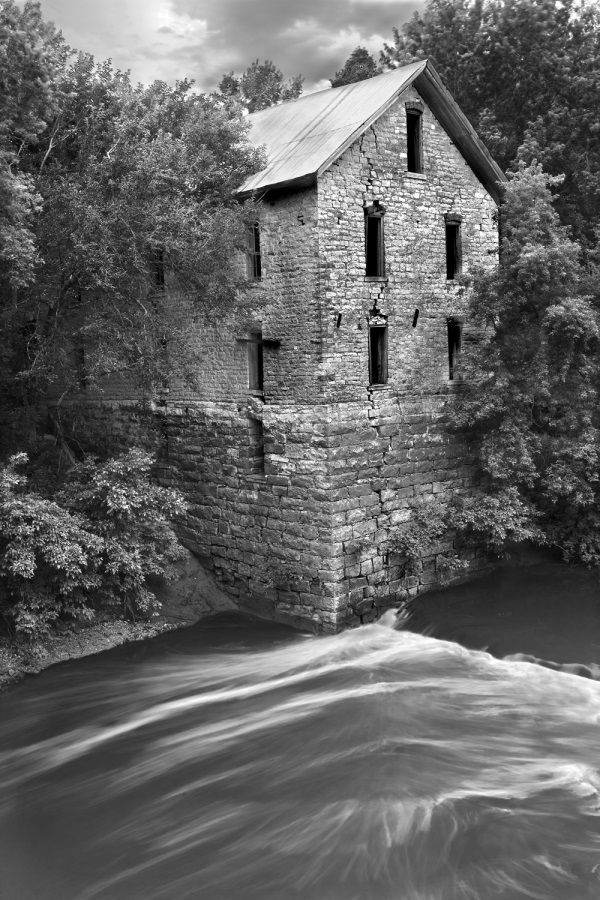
[{"x": 304, "y": 137}]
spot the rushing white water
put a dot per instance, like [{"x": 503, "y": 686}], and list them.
[{"x": 372, "y": 765}]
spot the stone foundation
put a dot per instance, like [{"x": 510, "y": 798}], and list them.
[{"x": 309, "y": 536}]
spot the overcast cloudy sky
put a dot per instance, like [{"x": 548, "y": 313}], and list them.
[{"x": 202, "y": 39}]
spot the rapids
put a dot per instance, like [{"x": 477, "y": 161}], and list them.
[{"x": 244, "y": 761}]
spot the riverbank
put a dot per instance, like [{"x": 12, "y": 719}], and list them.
[
  {"x": 183, "y": 602},
  {"x": 19, "y": 658}
]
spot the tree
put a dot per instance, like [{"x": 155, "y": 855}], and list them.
[
  {"x": 260, "y": 86},
  {"x": 136, "y": 184},
  {"x": 527, "y": 75},
  {"x": 31, "y": 57},
  {"x": 89, "y": 547},
  {"x": 529, "y": 407},
  {"x": 359, "y": 66}
]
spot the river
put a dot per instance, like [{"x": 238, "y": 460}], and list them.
[{"x": 240, "y": 760}]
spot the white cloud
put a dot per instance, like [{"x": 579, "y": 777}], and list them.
[{"x": 201, "y": 39}]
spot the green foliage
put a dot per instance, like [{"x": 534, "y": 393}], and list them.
[
  {"x": 260, "y": 86},
  {"x": 90, "y": 547},
  {"x": 529, "y": 404},
  {"x": 527, "y": 75},
  {"x": 359, "y": 66}
]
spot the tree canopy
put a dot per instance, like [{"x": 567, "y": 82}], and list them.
[
  {"x": 529, "y": 404},
  {"x": 260, "y": 86},
  {"x": 107, "y": 190},
  {"x": 359, "y": 66},
  {"x": 528, "y": 77}
]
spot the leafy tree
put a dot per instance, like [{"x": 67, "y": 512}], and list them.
[
  {"x": 89, "y": 548},
  {"x": 359, "y": 66},
  {"x": 31, "y": 58},
  {"x": 529, "y": 407},
  {"x": 125, "y": 183},
  {"x": 260, "y": 86},
  {"x": 136, "y": 182},
  {"x": 132, "y": 517},
  {"x": 528, "y": 77}
]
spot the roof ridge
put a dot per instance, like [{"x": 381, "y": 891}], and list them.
[{"x": 304, "y": 137}]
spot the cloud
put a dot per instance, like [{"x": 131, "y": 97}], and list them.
[
  {"x": 314, "y": 38},
  {"x": 202, "y": 39}
]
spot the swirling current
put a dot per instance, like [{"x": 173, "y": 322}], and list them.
[{"x": 245, "y": 761}]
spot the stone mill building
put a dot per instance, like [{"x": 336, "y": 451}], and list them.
[{"x": 322, "y": 420}]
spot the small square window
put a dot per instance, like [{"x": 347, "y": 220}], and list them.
[{"x": 253, "y": 261}]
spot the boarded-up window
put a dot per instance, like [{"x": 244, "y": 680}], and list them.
[
  {"x": 374, "y": 247},
  {"x": 253, "y": 263},
  {"x": 454, "y": 346},
  {"x": 256, "y": 448},
  {"x": 453, "y": 250},
  {"x": 255, "y": 362},
  {"x": 414, "y": 142},
  {"x": 378, "y": 353}
]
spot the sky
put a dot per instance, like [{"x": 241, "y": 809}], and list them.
[{"x": 202, "y": 39}]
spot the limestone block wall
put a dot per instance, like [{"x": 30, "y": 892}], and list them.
[
  {"x": 286, "y": 302},
  {"x": 297, "y": 495},
  {"x": 391, "y": 447},
  {"x": 374, "y": 169}
]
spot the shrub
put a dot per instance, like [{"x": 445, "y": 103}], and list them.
[{"x": 89, "y": 547}]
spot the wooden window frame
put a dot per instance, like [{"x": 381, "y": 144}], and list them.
[
  {"x": 374, "y": 241},
  {"x": 414, "y": 140},
  {"x": 253, "y": 255},
  {"x": 453, "y": 249}
]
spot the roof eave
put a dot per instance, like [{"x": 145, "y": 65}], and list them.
[
  {"x": 450, "y": 117},
  {"x": 464, "y": 136},
  {"x": 301, "y": 181}
]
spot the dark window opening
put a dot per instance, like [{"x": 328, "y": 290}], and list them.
[
  {"x": 454, "y": 346},
  {"x": 253, "y": 262},
  {"x": 414, "y": 149},
  {"x": 159, "y": 269},
  {"x": 378, "y": 354},
  {"x": 256, "y": 448},
  {"x": 375, "y": 260},
  {"x": 255, "y": 362},
  {"x": 415, "y": 318},
  {"x": 453, "y": 250}
]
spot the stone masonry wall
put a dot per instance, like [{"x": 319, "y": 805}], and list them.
[
  {"x": 296, "y": 495},
  {"x": 390, "y": 445},
  {"x": 251, "y": 465}
]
